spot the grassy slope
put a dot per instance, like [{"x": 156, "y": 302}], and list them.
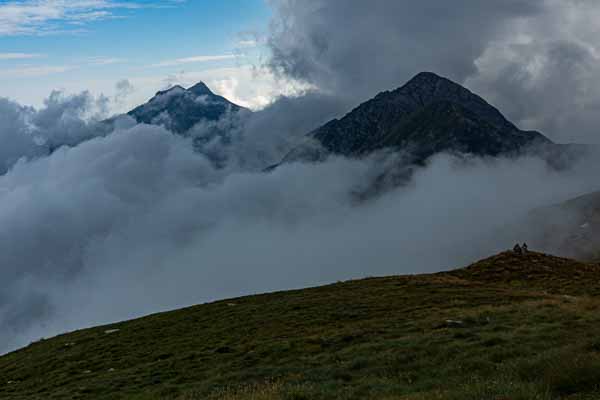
[{"x": 509, "y": 327}]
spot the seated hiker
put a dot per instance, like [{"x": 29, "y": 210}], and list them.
[
  {"x": 517, "y": 249},
  {"x": 525, "y": 248}
]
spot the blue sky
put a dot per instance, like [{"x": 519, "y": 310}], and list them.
[{"x": 75, "y": 45}]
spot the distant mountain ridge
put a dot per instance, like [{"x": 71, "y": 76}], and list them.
[
  {"x": 570, "y": 228},
  {"x": 428, "y": 115},
  {"x": 179, "y": 109}
]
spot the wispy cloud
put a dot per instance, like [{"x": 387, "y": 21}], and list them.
[
  {"x": 194, "y": 59},
  {"x": 38, "y": 17},
  {"x": 34, "y": 71},
  {"x": 18, "y": 56},
  {"x": 247, "y": 43},
  {"x": 30, "y": 70},
  {"x": 105, "y": 60}
]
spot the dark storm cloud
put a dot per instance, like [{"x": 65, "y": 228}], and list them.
[
  {"x": 361, "y": 47},
  {"x": 552, "y": 87}
]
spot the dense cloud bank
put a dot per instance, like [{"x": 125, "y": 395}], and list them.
[
  {"x": 27, "y": 133},
  {"x": 92, "y": 211},
  {"x": 253, "y": 141},
  {"x": 366, "y": 47},
  {"x": 537, "y": 60}
]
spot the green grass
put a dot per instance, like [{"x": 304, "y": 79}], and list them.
[{"x": 508, "y": 327}]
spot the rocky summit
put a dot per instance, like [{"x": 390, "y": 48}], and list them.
[
  {"x": 428, "y": 115},
  {"x": 179, "y": 109}
]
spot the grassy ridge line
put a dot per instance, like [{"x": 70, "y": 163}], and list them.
[{"x": 508, "y": 327}]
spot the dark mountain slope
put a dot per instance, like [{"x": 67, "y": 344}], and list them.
[
  {"x": 508, "y": 327},
  {"x": 444, "y": 125},
  {"x": 427, "y": 104},
  {"x": 428, "y": 115}
]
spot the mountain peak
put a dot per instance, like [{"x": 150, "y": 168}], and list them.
[
  {"x": 431, "y": 83},
  {"x": 427, "y": 76},
  {"x": 428, "y": 115},
  {"x": 435, "y": 87},
  {"x": 426, "y": 88},
  {"x": 200, "y": 89},
  {"x": 180, "y": 109},
  {"x": 172, "y": 89}
]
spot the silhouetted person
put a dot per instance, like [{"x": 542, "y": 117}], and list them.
[
  {"x": 525, "y": 248},
  {"x": 517, "y": 249}
]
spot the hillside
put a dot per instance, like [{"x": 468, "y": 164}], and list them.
[{"x": 508, "y": 327}]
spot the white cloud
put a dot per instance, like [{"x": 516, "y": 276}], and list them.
[
  {"x": 34, "y": 71},
  {"x": 34, "y": 17},
  {"x": 194, "y": 59},
  {"x": 18, "y": 56},
  {"x": 30, "y": 70},
  {"x": 247, "y": 43},
  {"x": 104, "y": 60}
]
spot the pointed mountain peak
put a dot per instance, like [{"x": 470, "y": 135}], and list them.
[
  {"x": 426, "y": 88},
  {"x": 427, "y": 76},
  {"x": 200, "y": 89},
  {"x": 424, "y": 80}
]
